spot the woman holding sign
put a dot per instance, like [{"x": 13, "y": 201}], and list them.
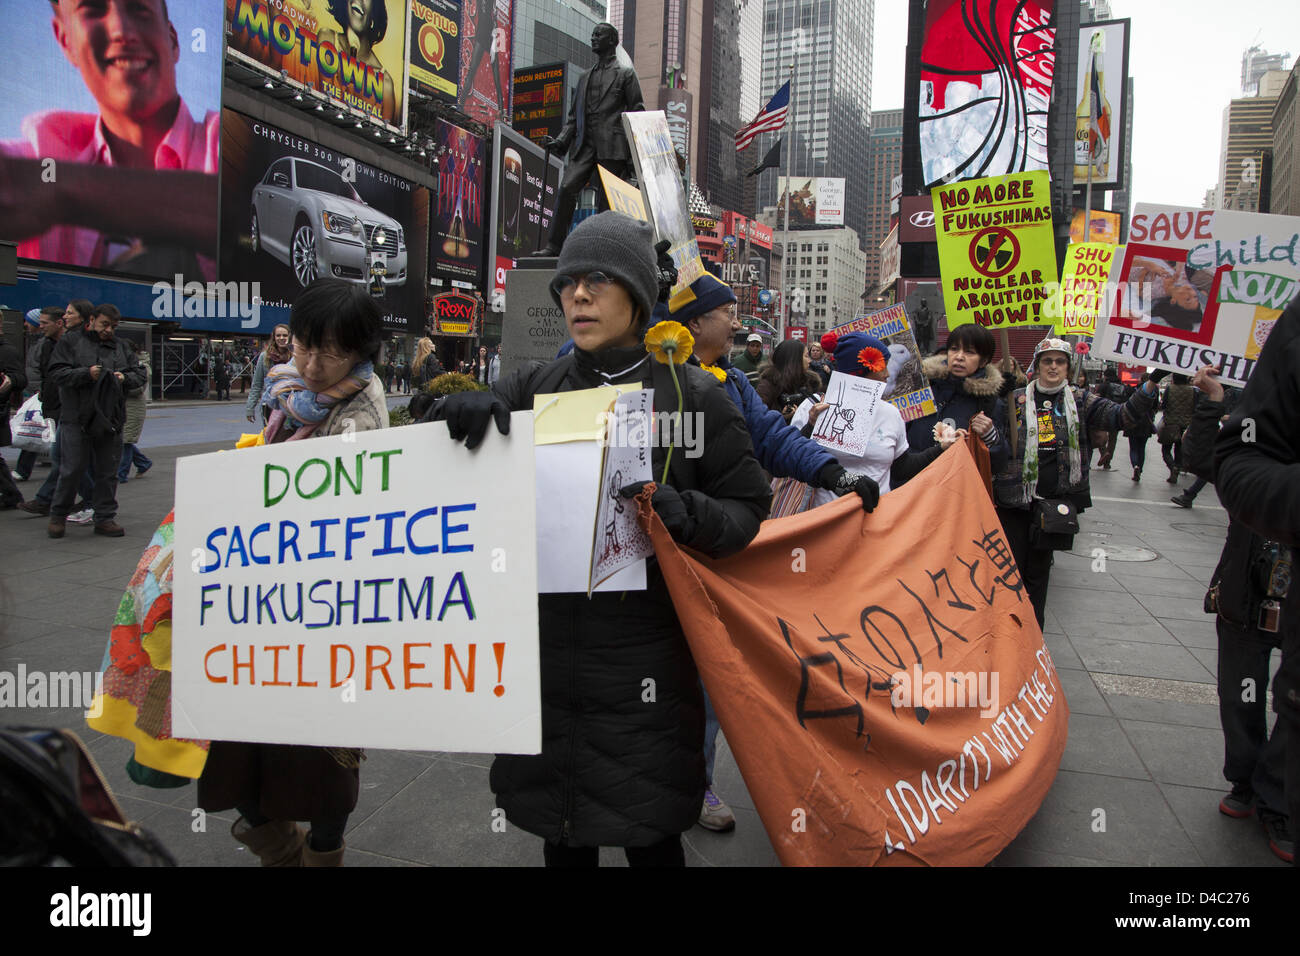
[
  {"x": 622, "y": 761},
  {"x": 327, "y": 388}
]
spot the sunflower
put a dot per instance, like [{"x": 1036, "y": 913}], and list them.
[
  {"x": 670, "y": 342},
  {"x": 871, "y": 359}
]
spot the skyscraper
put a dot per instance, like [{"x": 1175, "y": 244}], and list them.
[
  {"x": 1247, "y": 134},
  {"x": 884, "y": 162},
  {"x": 1286, "y": 149},
  {"x": 1255, "y": 62},
  {"x": 829, "y": 42},
  {"x": 550, "y": 32}
]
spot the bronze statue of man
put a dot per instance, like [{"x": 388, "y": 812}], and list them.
[{"x": 594, "y": 131}]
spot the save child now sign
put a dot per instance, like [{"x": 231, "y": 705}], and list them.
[{"x": 375, "y": 589}]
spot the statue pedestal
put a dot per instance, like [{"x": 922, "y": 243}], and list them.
[{"x": 534, "y": 326}]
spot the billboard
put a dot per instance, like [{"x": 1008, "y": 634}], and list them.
[
  {"x": 1199, "y": 287},
  {"x": 539, "y": 100},
  {"x": 294, "y": 211},
  {"x": 676, "y": 104},
  {"x": 523, "y": 200},
  {"x": 353, "y": 51},
  {"x": 814, "y": 201},
  {"x": 1103, "y": 226},
  {"x": 486, "y": 60},
  {"x": 1099, "y": 114},
  {"x": 986, "y": 80},
  {"x": 457, "y": 241},
  {"x": 435, "y": 47},
  {"x": 81, "y": 204}
]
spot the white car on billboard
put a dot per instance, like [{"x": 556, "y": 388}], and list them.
[{"x": 311, "y": 219}]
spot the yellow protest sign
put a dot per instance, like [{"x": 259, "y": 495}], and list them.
[
  {"x": 996, "y": 249},
  {"x": 623, "y": 197},
  {"x": 1075, "y": 307}
]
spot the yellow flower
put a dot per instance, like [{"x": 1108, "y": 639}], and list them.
[
  {"x": 716, "y": 372},
  {"x": 670, "y": 342},
  {"x": 250, "y": 441}
]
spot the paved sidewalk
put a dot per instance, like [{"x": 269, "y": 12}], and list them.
[{"x": 1135, "y": 653}]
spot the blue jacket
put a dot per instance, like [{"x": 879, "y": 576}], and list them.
[{"x": 779, "y": 448}]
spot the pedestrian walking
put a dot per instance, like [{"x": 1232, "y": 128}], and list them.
[
  {"x": 221, "y": 376},
  {"x": 1176, "y": 405},
  {"x": 13, "y": 379},
  {"x": 1139, "y": 432},
  {"x": 27, "y": 459},
  {"x": 277, "y": 352},
  {"x": 1111, "y": 389},
  {"x": 137, "y": 405},
  {"x": 1044, "y": 486}
]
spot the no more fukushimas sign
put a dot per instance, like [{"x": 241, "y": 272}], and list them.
[{"x": 373, "y": 589}]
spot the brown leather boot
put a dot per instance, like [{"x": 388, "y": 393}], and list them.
[
  {"x": 58, "y": 524},
  {"x": 276, "y": 842},
  {"x": 312, "y": 857},
  {"x": 110, "y": 528}
]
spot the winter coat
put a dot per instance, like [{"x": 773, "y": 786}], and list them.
[
  {"x": 1177, "y": 404},
  {"x": 137, "y": 403},
  {"x": 11, "y": 364},
  {"x": 958, "y": 401},
  {"x": 367, "y": 410},
  {"x": 49, "y": 392},
  {"x": 614, "y": 769},
  {"x": 779, "y": 448},
  {"x": 746, "y": 364},
  {"x": 770, "y": 391},
  {"x": 33, "y": 366},
  {"x": 70, "y": 365},
  {"x": 255, "y": 389},
  {"x": 1092, "y": 413}
]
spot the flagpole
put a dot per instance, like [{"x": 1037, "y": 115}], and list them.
[{"x": 781, "y": 318}]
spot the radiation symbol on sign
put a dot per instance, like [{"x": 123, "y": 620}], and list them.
[{"x": 994, "y": 251}]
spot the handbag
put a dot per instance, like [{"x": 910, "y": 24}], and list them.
[
  {"x": 790, "y": 497},
  {"x": 30, "y": 429},
  {"x": 1053, "y": 524}
]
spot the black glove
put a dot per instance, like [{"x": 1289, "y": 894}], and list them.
[
  {"x": 1158, "y": 374},
  {"x": 670, "y": 507},
  {"x": 667, "y": 269},
  {"x": 835, "y": 478},
  {"x": 467, "y": 415}
]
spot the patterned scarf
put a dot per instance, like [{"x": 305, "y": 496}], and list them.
[
  {"x": 277, "y": 356},
  {"x": 303, "y": 410},
  {"x": 1029, "y": 470}
]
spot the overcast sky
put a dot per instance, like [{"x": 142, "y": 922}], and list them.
[{"x": 1185, "y": 60}]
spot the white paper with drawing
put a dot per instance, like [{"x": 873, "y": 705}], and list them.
[
  {"x": 848, "y": 423},
  {"x": 619, "y": 539}
]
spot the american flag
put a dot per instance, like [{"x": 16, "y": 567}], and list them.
[{"x": 770, "y": 117}]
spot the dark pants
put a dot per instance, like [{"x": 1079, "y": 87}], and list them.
[
  {"x": 667, "y": 852},
  {"x": 1107, "y": 453},
  {"x": 1286, "y": 701},
  {"x": 9, "y": 493},
  {"x": 1172, "y": 455},
  {"x": 1195, "y": 487},
  {"x": 1137, "y": 450},
  {"x": 132, "y": 455},
  {"x": 577, "y": 171},
  {"x": 1035, "y": 564},
  {"x": 26, "y": 462},
  {"x": 326, "y": 834},
  {"x": 78, "y": 447},
  {"x": 1251, "y": 755},
  {"x": 86, "y": 488}
]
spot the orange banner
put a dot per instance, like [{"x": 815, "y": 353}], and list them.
[{"x": 880, "y": 678}]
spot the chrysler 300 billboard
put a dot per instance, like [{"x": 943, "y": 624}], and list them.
[{"x": 294, "y": 211}]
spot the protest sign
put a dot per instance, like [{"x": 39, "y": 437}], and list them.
[
  {"x": 665, "y": 199},
  {"x": 903, "y": 710},
  {"x": 1075, "y": 307},
  {"x": 622, "y": 196},
  {"x": 620, "y": 541},
  {"x": 1198, "y": 287},
  {"x": 996, "y": 248},
  {"x": 367, "y": 590},
  {"x": 908, "y": 389},
  {"x": 847, "y": 424}
]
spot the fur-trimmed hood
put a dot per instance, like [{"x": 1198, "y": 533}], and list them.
[{"x": 987, "y": 381}]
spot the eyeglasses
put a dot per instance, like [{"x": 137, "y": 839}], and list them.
[
  {"x": 304, "y": 355},
  {"x": 566, "y": 287},
  {"x": 1053, "y": 360}
]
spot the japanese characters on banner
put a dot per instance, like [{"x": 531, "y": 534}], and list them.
[
  {"x": 904, "y": 710},
  {"x": 51, "y": 120},
  {"x": 359, "y": 591},
  {"x": 986, "y": 81},
  {"x": 996, "y": 249},
  {"x": 1075, "y": 308},
  {"x": 456, "y": 253},
  {"x": 487, "y": 60},
  {"x": 312, "y": 43},
  {"x": 435, "y": 47},
  {"x": 1198, "y": 287},
  {"x": 908, "y": 389},
  {"x": 661, "y": 184}
]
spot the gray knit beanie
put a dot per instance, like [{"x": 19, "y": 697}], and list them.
[{"x": 619, "y": 246}]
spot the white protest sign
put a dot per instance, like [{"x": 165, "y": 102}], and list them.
[
  {"x": 848, "y": 424},
  {"x": 1199, "y": 287},
  {"x": 367, "y": 590},
  {"x": 620, "y": 541}
]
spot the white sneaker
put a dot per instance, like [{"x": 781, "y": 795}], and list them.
[
  {"x": 82, "y": 517},
  {"x": 716, "y": 815}
]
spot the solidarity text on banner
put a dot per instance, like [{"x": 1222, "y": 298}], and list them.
[
  {"x": 914, "y": 717},
  {"x": 996, "y": 248},
  {"x": 1199, "y": 287},
  {"x": 359, "y": 591},
  {"x": 1075, "y": 307}
]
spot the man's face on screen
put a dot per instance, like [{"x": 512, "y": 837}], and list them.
[{"x": 125, "y": 50}]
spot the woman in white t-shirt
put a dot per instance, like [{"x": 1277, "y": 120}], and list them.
[{"x": 886, "y": 459}]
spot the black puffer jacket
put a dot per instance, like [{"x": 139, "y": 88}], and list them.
[
  {"x": 622, "y": 760},
  {"x": 11, "y": 364},
  {"x": 69, "y": 370}
]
